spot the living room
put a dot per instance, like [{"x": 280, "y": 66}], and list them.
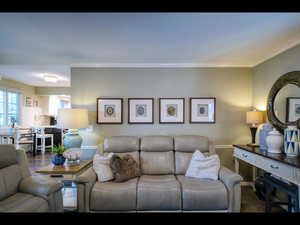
[{"x": 149, "y": 112}]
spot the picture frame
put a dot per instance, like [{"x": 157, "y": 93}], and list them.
[
  {"x": 171, "y": 110},
  {"x": 109, "y": 110},
  {"x": 28, "y": 101},
  {"x": 202, "y": 110},
  {"x": 140, "y": 110},
  {"x": 292, "y": 109}
]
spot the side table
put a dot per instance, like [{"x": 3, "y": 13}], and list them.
[{"x": 66, "y": 174}]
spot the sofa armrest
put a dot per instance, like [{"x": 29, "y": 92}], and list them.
[
  {"x": 88, "y": 176},
  {"x": 85, "y": 183},
  {"x": 232, "y": 182},
  {"x": 39, "y": 186}
]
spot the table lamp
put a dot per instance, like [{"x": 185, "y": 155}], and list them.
[
  {"x": 254, "y": 118},
  {"x": 72, "y": 119}
]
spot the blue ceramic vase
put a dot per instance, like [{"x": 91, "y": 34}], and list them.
[
  {"x": 58, "y": 160},
  {"x": 263, "y": 133},
  {"x": 291, "y": 141}
]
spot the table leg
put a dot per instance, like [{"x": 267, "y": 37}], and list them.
[
  {"x": 236, "y": 165},
  {"x": 298, "y": 199},
  {"x": 34, "y": 145},
  {"x": 254, "y": 174}
]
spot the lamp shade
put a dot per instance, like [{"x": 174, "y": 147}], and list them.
[
  {"x": 254, "y": 117},
  {"x": 72, "y": 118}
]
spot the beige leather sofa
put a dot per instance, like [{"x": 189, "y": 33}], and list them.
[
  {"x": 162, "y": 187},
  {"x": 21, "y": 192}
]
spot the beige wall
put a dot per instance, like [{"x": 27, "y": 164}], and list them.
[
  {"x": 53, "y": 90},
  {"x": 266, "y": 73},
  {"x": 232, "y": 88}
]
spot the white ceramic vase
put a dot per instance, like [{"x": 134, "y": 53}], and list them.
[{"x": 274, "y": 141}]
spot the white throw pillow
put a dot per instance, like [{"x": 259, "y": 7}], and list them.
[
  {"x": 203, "y": 167},
  {"x": 102, "y": 167}
]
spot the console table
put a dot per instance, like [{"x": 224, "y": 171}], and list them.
[{"x": 280, "y": 165}]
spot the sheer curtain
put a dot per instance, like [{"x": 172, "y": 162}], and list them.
[{"x": 54, "y": 105}]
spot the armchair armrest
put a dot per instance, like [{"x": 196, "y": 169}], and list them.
[
  {"x": 39, "y": 186},
  {"x": 232, "y": 182},
  {"x": 85, "y": 183}
]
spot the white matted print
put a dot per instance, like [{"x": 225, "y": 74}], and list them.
[
  {"x": 293, "y": 109},
  {"x": 202, "y": 110},
  {"x": 171, "y": 110},
  {"x": 109, "y": 110},
  {"x": 140, "y": 110}
]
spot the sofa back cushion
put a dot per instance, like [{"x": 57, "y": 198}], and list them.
[
  {"x": 121, "y": 144},
  {"x": 157, "y": 144},
  {"x": 157, "y": 163},
  {"x": 185, "y": 146},
  {"x": 189, "y": 143},
  {"x": 10, "y": 178},
  {"x": 157, "y": 155}
]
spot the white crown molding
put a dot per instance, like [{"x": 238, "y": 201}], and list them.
[{"x": 153, "y": 65}]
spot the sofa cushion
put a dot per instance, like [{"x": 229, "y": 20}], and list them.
[
  {"x": 121, "y": 144},
  {"x": 204, "y": 167},
  {"x": 189, "y": 143},
  {"x": 153, "y": 163},
  {"x": 157, "y": 144},
  {"x": 160, "y": 192},
  {"x": 101, "y": 166},
  {"x": 203, "y": 194},
  {"x": 8, "y": 155},
  {"x": 114, "y": 196},
  {"x": 10, "y": 178},
  {"x": 135, "y": 155},
  {"x": 21, "y": 202},
  {"x": 182, "y": 161},
  {"x": 124, "y": 168}
]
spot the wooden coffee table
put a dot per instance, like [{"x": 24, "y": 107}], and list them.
[{"x": 66, "y": 174}]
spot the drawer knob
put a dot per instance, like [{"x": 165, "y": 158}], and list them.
[
  {"x": 245, "y": 155},
  {"x": 274, "y": 167}
]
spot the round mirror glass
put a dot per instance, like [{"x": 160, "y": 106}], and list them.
[{"x": 287, "y": 104}]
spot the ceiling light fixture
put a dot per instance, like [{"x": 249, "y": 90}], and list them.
[{"x": 50, "y": 78}]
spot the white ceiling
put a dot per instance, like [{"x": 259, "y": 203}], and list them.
[{"x": 52, "y": 42}]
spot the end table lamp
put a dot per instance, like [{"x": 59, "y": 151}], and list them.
[
  {"x": 254, "y": 118},
  {"x": 72, "y": 119}
]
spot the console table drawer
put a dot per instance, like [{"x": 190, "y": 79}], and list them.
[
  {"x": 274, "y": 167},
  {"x": 244, "y": 155}
]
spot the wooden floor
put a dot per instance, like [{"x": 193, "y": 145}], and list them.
[{"x": 250, "y": 203}]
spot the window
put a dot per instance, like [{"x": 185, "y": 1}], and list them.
[
  {"x": 9, "y": 107},
  {"x": 57, "y": 102}
]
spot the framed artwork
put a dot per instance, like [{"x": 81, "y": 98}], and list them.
[
  {"x": 202, "y": 110},
  {"x": 171, "y": 110},
  {"x": 140, "y": 110},
  {"x": 28, "y": 101},
  {"x": 292, "y": 109},
  {"x": 109, "y": 110}
]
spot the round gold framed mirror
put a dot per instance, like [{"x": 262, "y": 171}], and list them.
[{"x": 283, "y": 103}]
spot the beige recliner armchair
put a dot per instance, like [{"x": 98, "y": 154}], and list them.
[{"x": 21, "y": 192}]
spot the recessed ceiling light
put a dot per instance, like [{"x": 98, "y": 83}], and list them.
[{"x": 50, "y": 78}]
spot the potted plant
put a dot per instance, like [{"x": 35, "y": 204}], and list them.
[{"x": 58, "y": 158}]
